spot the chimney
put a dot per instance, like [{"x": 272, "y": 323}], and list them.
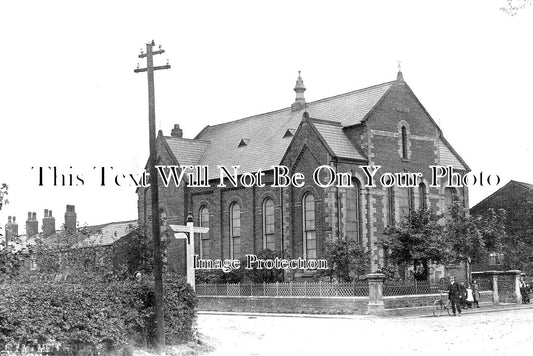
[
  {"x": 299, "y": 102},
  {"x": 15, "y": 227},
  {"x": 49, "y": 223},
  {"x": 70, "y": 219},
  {"x": 32, "y": 225},
  {"x": 11, "y": 228},
  {"x": 176, "y": 131}
]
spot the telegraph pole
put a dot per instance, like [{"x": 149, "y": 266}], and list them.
[{"x": 154, "y": 189}]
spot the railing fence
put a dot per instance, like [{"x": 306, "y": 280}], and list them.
[{"x": 286, "y": 289}]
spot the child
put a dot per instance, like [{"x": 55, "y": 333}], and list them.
[
  {"x": 469, "y": 296},
  {"x": 475, "y": 291}
]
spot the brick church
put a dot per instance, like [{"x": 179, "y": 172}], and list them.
[{"x": 383, "y": 125}]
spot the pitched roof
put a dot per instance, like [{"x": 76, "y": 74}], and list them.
[
  {"x": 96, "y": 235},
  {"x": 265, "y": 132},
  {"x": 187, "y": 151},
  {"x": 525, "y": 185},
  {"x": 449, "y": 158},
  {"x": 337, "y": 142},
  {"x": 106, "y": 234},
  {"x": 497, "y": 192}
]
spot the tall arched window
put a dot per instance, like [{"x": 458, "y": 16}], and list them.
[
  {"x": 269, "y": 241},
  {"x": 405, "y": 202},
  {"x": 309, "y": 232},
  {"x": 204, "y": 238},
  {"x": 235, "y": 231},
  {"x": 422, "y": 200},
  {"x": 391, "y": 219},
  {"x": 450, "y": 196},
  {"x": 353, "y": 215},
  {"x": 404, "y": 143}
]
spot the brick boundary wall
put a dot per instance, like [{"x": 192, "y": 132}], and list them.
[
  {"x": 422, "y": 300},
  {"x": 293, "y": 305},
  {"x": 316, "y": 305}
]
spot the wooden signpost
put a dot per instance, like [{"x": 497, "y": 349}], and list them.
[{"x": 187, "y": 232}]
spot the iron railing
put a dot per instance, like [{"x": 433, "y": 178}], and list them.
[{"x": 286, "y": 289}]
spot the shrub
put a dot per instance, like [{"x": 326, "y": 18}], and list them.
[{"x": 105, "y": 316}]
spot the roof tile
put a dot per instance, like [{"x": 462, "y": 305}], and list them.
[{"x": 266, "y": 131}]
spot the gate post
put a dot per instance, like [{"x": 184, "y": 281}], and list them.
[
  {"x": 516, "y": 292},
  {"x": 375, "y": 293},
  {"x": 495, "y": 294}
]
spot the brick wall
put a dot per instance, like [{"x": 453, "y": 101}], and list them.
[
  {"x": 303, "y": 305},
  {"x": 409, "y": 301},
  {"x": 316, "y": 305},
  {"x": 517, "y": 201}
]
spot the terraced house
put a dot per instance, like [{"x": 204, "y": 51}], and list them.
[{"x": 383, "y": 125}]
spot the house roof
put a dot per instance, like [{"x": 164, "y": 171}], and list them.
[
  {"x": 265, "y": 133},
  {"x": 106, "y": 234},
  {"x": 187, "y": 151},
  {"x": 449, "y": 158},
  {"x": 511, "y": 182},
  {"x": 96, "y": 235},
  {"x": 525, "y": 185},
  {"x": 336, "y": 141}
]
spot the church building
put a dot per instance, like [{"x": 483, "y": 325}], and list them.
[{"x": 382, "y": 125}]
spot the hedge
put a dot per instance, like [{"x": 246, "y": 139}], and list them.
[{"x": 102, "y": 315}]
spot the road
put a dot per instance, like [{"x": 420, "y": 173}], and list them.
[{"x": 496, "y": 333}]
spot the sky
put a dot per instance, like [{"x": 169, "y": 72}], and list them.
[{"x": 69, "y": 96}]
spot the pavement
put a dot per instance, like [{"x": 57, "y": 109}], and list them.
[
  {"x": 426, "y": 311},
  {"x": 491, "y": 330}
]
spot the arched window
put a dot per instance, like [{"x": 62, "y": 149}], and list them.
[
  {"x": 405, "y": 202},
  {"x": 450, "y": 196},
  {"x": 309, "y": 232},
  {"x": 391, "y": 219},
  {"x": 204, "y": 238},
  {"x": 404, "y": 143},
  {"x": 269, "y": 241},
  {"x": 422, "y": 203},
  {"x": 353, "y": 215},
  {"x": 235, "y": 231}
]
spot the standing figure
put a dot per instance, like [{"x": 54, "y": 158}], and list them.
[
  {"x": 462, "y": 290},
  {"x": 454, "y": 294},
  {"x": 524, "y": 291},
  {"x": 469, "y": 297},
  {"x": 475, "y": 291}
]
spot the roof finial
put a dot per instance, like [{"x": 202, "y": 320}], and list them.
[
  {"x": 299, "y": 88},
  {"x": 399, "y": 76}
]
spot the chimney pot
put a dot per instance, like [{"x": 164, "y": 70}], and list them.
[
  {"x": 176, "y": 131},
  {"x": 70, "y": 219},
  {"x": 49, "y": 223},
  {"x": 32, "y": 225}
]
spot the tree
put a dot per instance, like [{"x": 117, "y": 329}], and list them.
[
  {"x": 11, "y": 262},
  {"x": 492, "y": 228},
  {"x": 264, "y": 275},
  {"x": 3, "y": 199},
  {"x": 346, "y": 260},
  {"x": 463, "y": 237},
  {"x": 3, "y": 193},
  {"x": 417, "y": 241},
  {"x": 514, "y": 6}
]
